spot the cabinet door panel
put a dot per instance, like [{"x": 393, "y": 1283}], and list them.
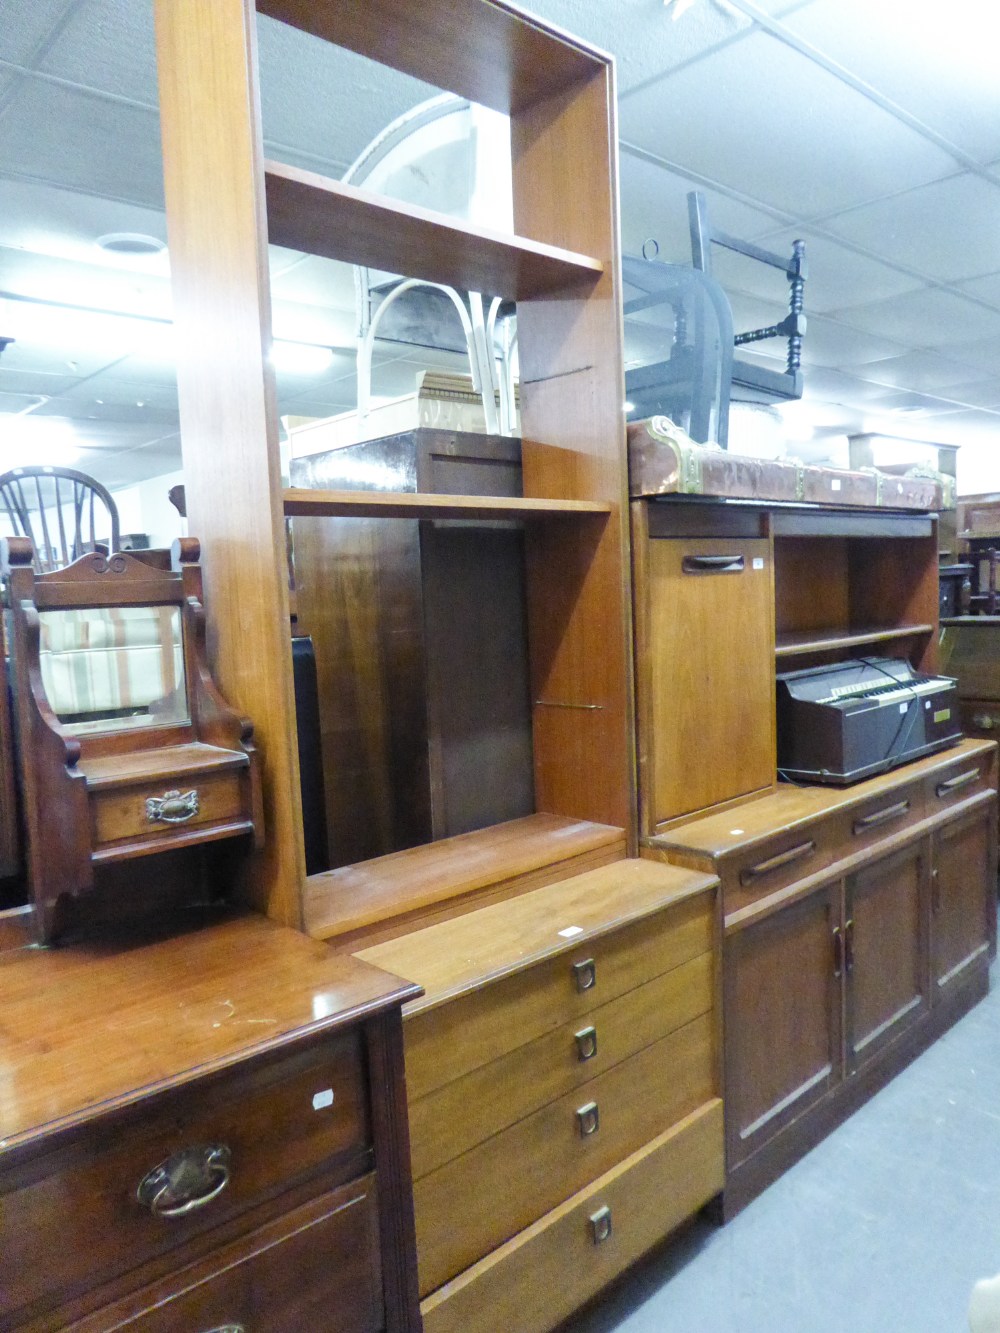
[
  {"x": 711, "y": 669},
  {"x": 963, "y": 896},
  {"x": 886, "y": 950},
  {"x": 782, "y": 1019}
]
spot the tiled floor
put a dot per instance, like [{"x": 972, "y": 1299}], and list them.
[{"x": 883, "y": 1228}]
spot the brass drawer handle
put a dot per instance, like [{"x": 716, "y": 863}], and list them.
[
  {"x": 960, "y": 780},
  {"x": 586, "y": 1043},
  {"x": 188, "y": 1180},
  {"x": 883, "y": 816},
  {"x": 588, "y": 1120},
  {"x": 600, "y": 1225},
  {"x": 985, "y": 721},
  {"x": 173, "y": 807},
  {"x": 585, "y": 973},
  {"x": 776, "y": 862},
  {"x": 227, "y": 1328},
  {"x": 713, "y": 564}
]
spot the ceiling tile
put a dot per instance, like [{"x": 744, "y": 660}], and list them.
[
  {"x": 977, "y": 393},
  {"x": 944, "y": 72},
  {"x": 24, "y": 28},
  {"x": 925, "y": 371},
  {"x": 34, "y": 383},
  {"x": 109, "y": 45},
  {"x": 837, "y": 277},
  {"x": 947, "y": 230},
  {"x": 313, "y": 280},
  {"x": 984, "y": 288},
  {"x": 829, "y": 343},
  {"x": 751, "y": 117},
  {"x": 930, "y": 317}
]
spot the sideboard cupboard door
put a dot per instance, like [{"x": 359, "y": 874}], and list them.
[
  {"x": 782, "y": 1018},
  {"x": 963, "y": 911},
  {"x": 709, "y": 691},
  {"x": 886, "y": 950}
]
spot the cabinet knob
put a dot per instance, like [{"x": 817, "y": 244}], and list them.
[
  {"x": 586, "y": 1043},
  {"x": 188, "y": 1180},
  {"x": 585, "y": 973},
  {"x": 588, "y": 1120},
  {"x": 600, "y": 1225}
]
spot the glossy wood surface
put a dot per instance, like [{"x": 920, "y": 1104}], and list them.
[
  {"x": 837, "y": 640},
  {"x": 300, "y": 502},
  {"x": 214, "y": 187},
  {"x": 486, "y": 51},
  {"x": 545, "y": 1272},
  {"x": 326, "y": 217},
  {"x": 163, "y": 1011},
  {"x": 390, "y": 888},
  {"x": 106, "y": 772}
]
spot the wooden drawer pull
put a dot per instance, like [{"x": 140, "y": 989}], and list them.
[
  {"x": 600, "y": 1225},
  {"x": 960, "y": 780},
  {"x": 585, "y": 973},
  {"x": 588, "y": 1120},
  {"x": 776, "y": 862},
  {"x": 188, "y": 1180},
  {"x": 586, "y": 1043},
  {"x": 713, "y": 564},
  {"x": 173, "y": 807},
  {"x": 883, "y": 816}
]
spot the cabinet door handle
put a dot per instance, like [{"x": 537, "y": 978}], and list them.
[
  {"x": 188, "y": 1180},
  {"x": 776, "y": 862},
  {"x": 849, "y": 947},
  {"x": 588, "y": 1120},
  {"x": 838, "y": 953},
  {"x": 585, "y": 974},
  {"x": 882, "y": 816},
  {"x": 713, "y": 564},
  {"x": 227, "y": 1328},
  {"x": 960, "y": 780},
  {"x": 586, "y": 1043},
  {"x": 600, "y": 1225}
]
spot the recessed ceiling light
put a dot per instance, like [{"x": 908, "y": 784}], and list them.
[{"x": 130, "y": 243}]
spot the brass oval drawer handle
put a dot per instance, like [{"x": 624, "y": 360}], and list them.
[
  {"x": 588, "y": 1119},
  {"x": 984, "y": 721},
  {"x": 600, "y": 1225},
  {"x": 882, "y": 816},
  {"x": 173, "y": 807},
  {"x": 796, "y": 853},
  {"x": 188, "y": 1180},
  {"x": 585, "y": 973},
  {"x": 586, "y": 1043},
  {"x": 960, "y": 780},
  {"x": 227, "y": 1328}
]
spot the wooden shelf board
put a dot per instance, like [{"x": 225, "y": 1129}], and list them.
[
  {"x": 168, "y": 762},
  {"x": 326, "y": 217},
  {"x": 346, "y": 900},
  {"x": 500, "y": 58},
  {"x": 822, "y": 641},
  {"x": 303, "y": 503}
]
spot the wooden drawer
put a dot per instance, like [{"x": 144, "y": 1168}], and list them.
[
  {"x": 120, "y": 813},
  {"x": 505, "y": 1183},
  {"x": 757, "y": 870},
  {"x": 280, "y": 1122},
  {"x": 447, "y": 1041},
  {"x": 453, "y": 1119},
  {"x": 317, "y": 1268},
  {"x": 880, "y": 816},
  {"x": 965, "y": 776},
  {"x": 547, "y": 1271}
]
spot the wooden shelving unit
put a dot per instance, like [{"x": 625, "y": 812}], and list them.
[
  {"x": 301, "y": 503},
  {"x": 839, "y": 640}
]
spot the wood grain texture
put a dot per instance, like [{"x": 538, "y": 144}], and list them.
[
  {"x": 486, "y": 51},
  {"x": 548, "y": 1270},
  {"x": 214, "y": 186},
  {"x": 309, "y": 212},
  {"x": 838, "y": 640},
  {"x": 300, "y": 502},
  {"x": 353, "y": 898},
  {"x": 963, "y": 901}
]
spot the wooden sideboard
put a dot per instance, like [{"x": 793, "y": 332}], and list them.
[
  {"x": 562, "y": 1071},
  {"x": 200, "y": 1130}
]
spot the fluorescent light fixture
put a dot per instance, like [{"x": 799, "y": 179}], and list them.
[
  {"x": 30, "y": 441},
  {"x": 294, "y": 358}
]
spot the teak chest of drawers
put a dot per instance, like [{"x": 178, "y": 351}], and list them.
[
  {"x": 563, "y": 1089},
  {"x": 201, "y": 1131}
]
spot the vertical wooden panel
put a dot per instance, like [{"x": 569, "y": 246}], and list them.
[
  {"x": 216, "y": 226},
  {"x": 573, "y": 427}
]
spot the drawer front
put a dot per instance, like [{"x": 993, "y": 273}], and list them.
[
  {"x": 547, "y": 1271},
  {"x": 278, "y": 1279},
  {"x": 457, "y": 1036},
  {"x": 244, "y": 1137},
  {"x": 963, "y": 777},
  {"x": 507, "y": 1182},
  {"x": 141, "y": 812},
  {"x": 775, "y": 862},
  {"x": 453, "y": 1119},
  {"x": 891, "y": 811}
]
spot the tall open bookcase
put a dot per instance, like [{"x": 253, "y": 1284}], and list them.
[{"x": 224, "y": 204}]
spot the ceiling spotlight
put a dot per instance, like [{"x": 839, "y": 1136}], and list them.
[{"x": 130, "y": 243}]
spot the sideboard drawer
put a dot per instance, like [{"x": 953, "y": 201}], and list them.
[
  {"x": 229, "y": 1143},
  {"x": 154, "y": 810},
  {"x": 878, "y": 817},
  {"x": 966, "y": 776},
  {"x": 772, "y": 863},
  {"x": 316, "y": 1268}
]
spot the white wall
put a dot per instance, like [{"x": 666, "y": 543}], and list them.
[{"x": 145, "y": 508}]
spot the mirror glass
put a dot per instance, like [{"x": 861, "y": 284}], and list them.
[{"x": 110, "y": 668}]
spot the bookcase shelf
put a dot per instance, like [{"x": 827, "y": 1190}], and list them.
[
  {"x": 303, "y": 503},
  {"x": 837, "y": 640}
]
